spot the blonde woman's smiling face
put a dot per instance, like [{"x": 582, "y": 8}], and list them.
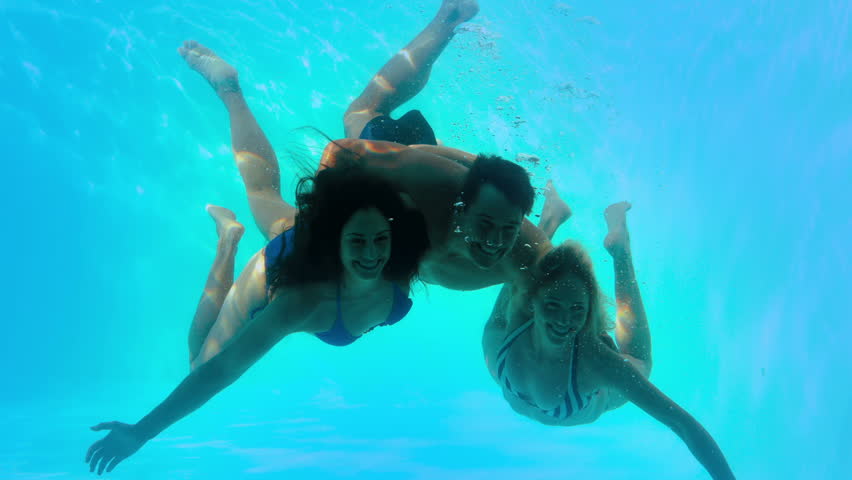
[{"x": 561, "y": 308}]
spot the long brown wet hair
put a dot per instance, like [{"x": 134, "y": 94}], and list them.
[{"x": 326, "y": 202}]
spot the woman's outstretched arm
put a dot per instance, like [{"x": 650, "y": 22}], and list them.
[
  {"x": 616, "y": 372},
  {"x": 197, "y": 388}
]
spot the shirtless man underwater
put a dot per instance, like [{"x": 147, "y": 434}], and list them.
[{"x": 474, "y": 205}]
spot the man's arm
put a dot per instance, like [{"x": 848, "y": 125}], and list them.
[
  {"x": 462, "y": 158},
  {"x": 532, "y": 244},
  {"x": 431, "y": 180},
  {"x": 380, "y": 155}
]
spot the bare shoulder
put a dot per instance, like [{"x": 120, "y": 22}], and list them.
[
  {"x": 497, "y": 326},
  {"x": 531, "y": 245},
  {"x": 537, "y": 240},
  {"x": 510, "y": 312}
]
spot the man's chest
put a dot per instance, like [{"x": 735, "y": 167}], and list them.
[{"x": 456, "y": 272}]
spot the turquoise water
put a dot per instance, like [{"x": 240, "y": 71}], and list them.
[{"x": 728, "y": 125}]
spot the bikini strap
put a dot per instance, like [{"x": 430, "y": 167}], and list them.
[
  {"x": 504, "y": 349},
  {"x": 399, "y": 308},
  {"x": 573, "y": 392}
]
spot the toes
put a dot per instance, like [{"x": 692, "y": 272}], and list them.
[{"x": 194, "y": 48}]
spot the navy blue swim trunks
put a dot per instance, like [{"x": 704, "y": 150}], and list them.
[{"x": 411, "y": 129}]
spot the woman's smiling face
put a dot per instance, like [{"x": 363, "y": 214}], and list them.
[
  {"x": 365, "y": 244},
  {"x": 561, "y": 308}
]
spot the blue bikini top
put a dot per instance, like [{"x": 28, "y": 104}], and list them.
[
  {"x": 340, "y": 337},
  {"x": 337, "y": 335}
]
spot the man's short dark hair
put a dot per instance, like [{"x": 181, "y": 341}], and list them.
[{"x": 507, "y": 177}]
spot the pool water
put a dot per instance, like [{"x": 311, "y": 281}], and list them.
[{"x": 726, "y": 124}]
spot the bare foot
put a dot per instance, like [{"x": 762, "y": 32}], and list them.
[
  {"x": 617, "y": 238},
  {"x": 219, "y": 73},
  {"x": 455, "y": 12},
  {"x": 555, "y": 211},
  {"x": 228, "y": 228},
  {"x": 554, "y": 206}
]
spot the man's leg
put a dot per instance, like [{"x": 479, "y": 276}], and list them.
[
  {"x": 405, "y": 75},
  {"x": 254, "y": 155}
]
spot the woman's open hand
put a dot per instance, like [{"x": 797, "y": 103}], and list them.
[{"x": 121, "y": 442}]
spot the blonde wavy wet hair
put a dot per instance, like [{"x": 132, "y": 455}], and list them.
[{"x": 572, "y": 258}]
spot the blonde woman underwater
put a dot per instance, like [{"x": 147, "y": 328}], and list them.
[{"x": 548, "y": 349}]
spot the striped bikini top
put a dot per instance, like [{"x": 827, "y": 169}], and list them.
[{"x": 573, "y": 401}]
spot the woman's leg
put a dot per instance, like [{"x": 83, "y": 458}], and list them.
[
  {"x": 247, "y": 297},
  {"x": 554, "y": 213},
  {"x": 219, "y": 280},
  {"x": 405, "y": 75},
  {"x": 631, "y": 329},
  {"x": 254, "y": 155}
]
